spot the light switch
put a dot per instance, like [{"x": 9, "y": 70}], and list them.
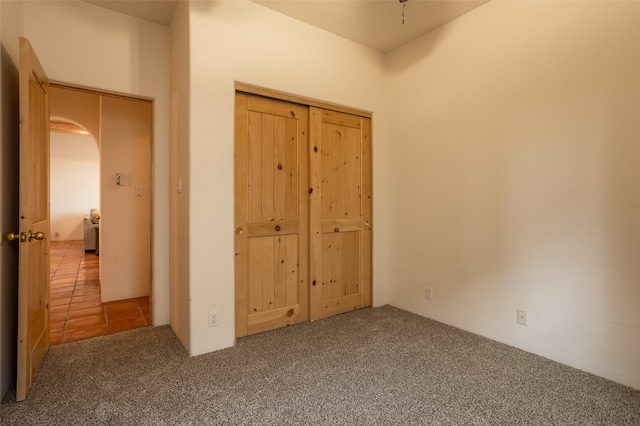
[{"x": 139, "y": 191}]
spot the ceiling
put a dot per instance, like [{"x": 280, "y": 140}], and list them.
[
  {"x": 373, "y": 23},
  {"x": 158, "y": 11}
]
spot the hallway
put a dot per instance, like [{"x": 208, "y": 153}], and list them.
[{"x": 76, "y": 309}]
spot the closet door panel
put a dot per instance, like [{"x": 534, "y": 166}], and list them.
[
  {"x": 271, "y": 214},
  {"x": 340, "y": 214}
]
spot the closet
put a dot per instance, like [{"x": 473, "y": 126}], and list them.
[{"x": 303, "y": 220}]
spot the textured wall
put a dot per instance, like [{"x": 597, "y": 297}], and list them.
[{"x": 515, "y": 174}]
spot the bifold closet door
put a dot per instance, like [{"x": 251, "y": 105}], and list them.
[
  {"x": 271, "y": 214},
  {"x": 340, "y": 212}
]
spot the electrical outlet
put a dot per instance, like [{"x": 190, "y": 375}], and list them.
[
  {"x": 522, "y": 317},
  {"x": 213, "y": 319},
  {"x": 428, "y": 293}
]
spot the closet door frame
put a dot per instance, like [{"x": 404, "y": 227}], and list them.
[
  {"x": 366, "y": 267},
  {"x": 301, "y": 100}
]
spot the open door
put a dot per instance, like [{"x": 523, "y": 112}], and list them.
[{"x": 33, "y": 273}]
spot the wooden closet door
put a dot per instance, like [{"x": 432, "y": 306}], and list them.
[
  {"x": 340, "y": 212},
  {"x": 271, "y": 214}
]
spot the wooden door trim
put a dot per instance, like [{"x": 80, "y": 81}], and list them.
[
  {"x": 282, "y": 96},
  {"x": 99, "y": 92},
  {"x": 240, "y": 214},
  {"x": 367, "y": 208}
]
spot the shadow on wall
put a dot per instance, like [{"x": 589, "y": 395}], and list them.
[{"x": 9, "y": 173}]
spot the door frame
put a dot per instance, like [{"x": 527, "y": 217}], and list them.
[
  {"x": 281, "y": 96},
  {"x": 113, "y": 94}
]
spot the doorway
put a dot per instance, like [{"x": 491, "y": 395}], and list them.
[{"x": 101, "y": 277}]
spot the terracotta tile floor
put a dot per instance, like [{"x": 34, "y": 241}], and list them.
[{"x": 76, "y": 309}]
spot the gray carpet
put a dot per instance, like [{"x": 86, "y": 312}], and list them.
[{"x": 379, "y": 366}]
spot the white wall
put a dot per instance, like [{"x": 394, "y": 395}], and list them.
[
  {"x": 74, "y": 183},
  {"x": 242, "y": 41},
  {"x": 86, "y": 45},
  {"x": 10, "y": 28},
  {"x": 515, "y": 169}
]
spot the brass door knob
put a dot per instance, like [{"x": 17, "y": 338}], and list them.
[
  {"x": 36, "y": 236},
  {"x": 13, "y": 236},
  {"x": 239, "y": 230}
]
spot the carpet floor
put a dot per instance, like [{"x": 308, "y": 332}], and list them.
[{"x": 380, "y": 366}]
